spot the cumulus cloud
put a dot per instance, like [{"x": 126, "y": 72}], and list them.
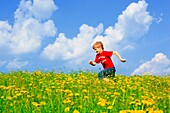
[
  {"x": 5, "y": 30},
  {"x": 31, "y": 25},
  {"x": 132, "y": 23},
  {"x": 159, "y": 65},
  {"x": 16, "y": 64},
  {"x": 65, "y": 48}
]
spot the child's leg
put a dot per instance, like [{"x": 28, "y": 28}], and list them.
[
  {"x": 102, "y": 74},
  {"x": 110, "y": 72}
]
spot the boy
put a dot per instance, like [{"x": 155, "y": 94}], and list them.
[{"x": 104, "y": 57}]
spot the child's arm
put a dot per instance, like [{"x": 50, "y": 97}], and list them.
[
  {"x": 92, "y": 63},
  {"x": 118, "y": 55}
]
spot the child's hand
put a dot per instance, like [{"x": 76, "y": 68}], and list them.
[
  {"x": 123, "y": 60},
  {"x": 90, "y": 62}
]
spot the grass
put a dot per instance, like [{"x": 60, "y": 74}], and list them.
[{"x": 82, "y": 92}]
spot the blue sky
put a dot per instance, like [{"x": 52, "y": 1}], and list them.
[{"x": 58, "y": 34}]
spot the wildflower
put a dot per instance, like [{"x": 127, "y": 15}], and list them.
[
  {"x": 116, "y": 93},
  {"x": 67, "y": 100},
  {"x": 86, "y": 97},
  {"x": 84, "y": 90},
  {"x": 72, "y": 103},
  {"x": 108, "y": 93},
  {"x": 67, "y": 109},
  {"x": 2, "y": 87},
  {"x": 52, "y": 87},
  {"x": 29, "y": 96},
  {"x": 144, "y": 97},
  {"x": 109, "y": 107},
  {"x": 35, "y": 104},
  {"x": 76, "y": 111},
  {"x": 38, "y": 96},
  {"x": 70, "y": 94},
  {"x": 132, "y": 103},
  {"x": 123, "y": 90},
  {"x": 80, "y": 106},
  {"x": 132, "y": 98},
  {"x": 77, "y": 94},
  {"x": 42, "y": 103},
  {"x": 11, "y": 104},
  {"x": 102, "y": 102},
  {"x": 156, "y": 111},
  {"x": 9, "y": 97}
]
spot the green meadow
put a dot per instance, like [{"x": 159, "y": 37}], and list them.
[{"x": 82, "y": 92}]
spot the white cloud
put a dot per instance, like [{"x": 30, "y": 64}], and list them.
[
  {"x": 5, "y": 30},
  {"x": 78, "y": 47},
  {"x": 16, "y": 64},
  {"x": 159, "y": 65},
  {"x": 133, "y": 22},
  {"x": 31, "y": 26},
  {"x": 28, "y": 38},
  {"x": 39, "y": 9}
]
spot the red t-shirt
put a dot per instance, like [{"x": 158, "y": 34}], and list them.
[{"x": 105, "y": 59}]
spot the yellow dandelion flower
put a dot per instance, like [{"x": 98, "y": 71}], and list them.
[
  {"x": 70, "y": 94},
  {"x": 86, "y": 97},
  {"x": 132, "y": 103},
  {"x": 2, "y": 97},
  {"x": 66, "y": 101},
  {"x": 84, "y": 90},
  {"x": 40, "y": 82},
  {"x": 35, "y": 104},
  {"x": 56, "y": 90},
  {"x": 144, "y": 97},
  {"x": 149, "y": 109},
  {"x": 156, "y": 111},
  {"x": 11, "y": 104},
  {"x": 109, "y": 107},
  {"x": 42, "y": 103},
  {"x": 52, "y": 87},
  {"x": 67, "y": 109},
  {"x": 92, "y": 111},
  {"x": 116, "y": 93},
  {"x": 9, "y": 97},
  {"x": 123, "y": 90},
  {"x": 2, "y": 87},
  {"x": 76, "y": 111},
  {"x": 80, "y": 106},
  {"x": 132, "y": 98},
  {"x": 77, "y": 94},
  {"x": 72, "y": 103},
  {"x": 101, "y": 103},
  {"x": 38, "y": 96},
  {"x": 28, "y": 96},
  {"x": 138, "y": 104},
  {"x": 108, "y": 93},
  {"x": 123, "y": 111}
]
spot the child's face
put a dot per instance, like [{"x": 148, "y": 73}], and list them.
[{"x": 98, "y": 50}]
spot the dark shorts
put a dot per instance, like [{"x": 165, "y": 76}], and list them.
[{"x": 107, "y": 72}]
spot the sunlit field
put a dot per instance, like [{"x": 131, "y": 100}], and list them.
[{"x": 82, "y": 92}]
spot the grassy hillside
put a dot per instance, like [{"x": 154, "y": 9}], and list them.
[{"x": 82, "y": 92}]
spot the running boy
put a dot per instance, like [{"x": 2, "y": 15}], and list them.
[{"x": 104, "y": 57}]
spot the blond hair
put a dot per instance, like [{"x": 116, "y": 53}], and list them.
[{"x": 98, "y": 44}]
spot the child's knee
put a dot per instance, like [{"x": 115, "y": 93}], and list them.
[{"x": 101, "y": 75}]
